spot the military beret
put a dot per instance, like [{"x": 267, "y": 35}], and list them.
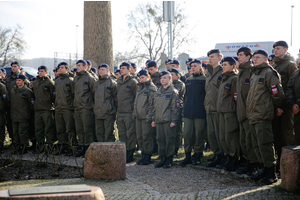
[
  {"x": 235, "y": 58},
  {"x": 142, "y": 72},
  {"x": 176, "y": 71},
  {"x": 43, "y": 67},
  {"x": 118, "y": 71},
  {"x": 189, "y": 67},
  {"x": 148, "y": 61},
  {"x": 243, "y": 49},
  {"x": 196, "y": 61},
  {"x": 74, "y": 70},
  {"x": 188, "y": 60},
  {"x": 262, "y": 52},
  {"x": 21, "y": 76},
  {"x": 271, "y": 57},
  {"x": 169, "y": 60},
  {"x": 62, "y": 63},
  {"x": 3, "y": 70},
  {"x": 21, "y": 68},
  {"x": 204, "y": 65},
  {"x": 88, "y": 62},
  {"x": 103, "y": 65},
  {"x": 152, "y": 63},
  {"x": 81, "y": 61},
  {"x": 133, "y": 65},
  {"x": 213, "y": 51},
  {"x": 15, "y": 63},
  {"x": 281, "y": 43},
  {"x": 176, "y": 62},
  {"x": 93, "y": 69},
  {"x": 54, "y": 69},
  {"x": 229, "y": 59},
  {"x": 126, "y": 64},
  {"x": 32, "y": 79},
  {"x": 164, "y": 73}
]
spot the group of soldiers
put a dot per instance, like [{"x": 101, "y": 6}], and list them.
[{"x": 243, "y": 107}]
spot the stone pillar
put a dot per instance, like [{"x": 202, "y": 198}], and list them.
[{"x": 98, "y": 43}]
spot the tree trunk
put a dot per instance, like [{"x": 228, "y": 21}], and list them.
[{"x": 98, "y": 44}]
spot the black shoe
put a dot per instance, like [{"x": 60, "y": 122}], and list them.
[
  {"x": 68, "y": 151},
  {"x": 60, "y": 150},
  {"x": 260, "y": 173},
  {"x": 86, "y": 148},
  {"x": 253, "y": 168},
  {"x": 130, "y": 156},
  {"x": 211, "y": 159},
  {"x": 223, "y": 162},
  {"x": 146, "y": 160},
  {"x": 196, "y": 160},
  {"x": 40, "y": 148},
  {"x": 81, "y": 152},
  {"x": 270, "y": 176},
  {"x": 231, "y": 165},
  {"x": 169, "y": 162},
  {"x": 162, "y": 162},
  {"x": 187, "y": 160},
  {"x": 141, "y": 160},
  {"x": 215, "y": 162},
  {"x": 155, "y": 149},
  {"x": 244, "y": 169}
]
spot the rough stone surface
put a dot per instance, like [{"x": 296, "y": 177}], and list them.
[
  {"x": 95, "y": 194},
  {"x": 105, "y": 160},
  {"x": 290, "y": 168}
]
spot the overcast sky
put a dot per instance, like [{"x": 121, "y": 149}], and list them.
[{"x": 50, "y": 26}]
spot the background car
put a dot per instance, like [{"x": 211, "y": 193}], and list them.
[{"x": 30, "y": 71}]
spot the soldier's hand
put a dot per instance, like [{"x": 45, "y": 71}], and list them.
[
  {"x": 172, "y": 124},
  {"x": 295, "y": 109},
  {"x": 153, "y": 124},
  {"x": 279, "y": 111}
]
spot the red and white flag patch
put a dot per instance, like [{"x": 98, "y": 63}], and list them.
[
  {"x": 177, "y": 104},
  {"x": 235, "y": 96},
  {"x": 274, "y": 90}
]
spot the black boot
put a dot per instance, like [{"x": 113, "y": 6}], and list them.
[
  {"x": 187, "y": 160},
  {"x": 68, "y": 151},
  {"x": 270, "y": 176},
  {"x": 169, "y": 162},
  {"x": 211, "y": 159},
  {"x": 253, "y": 168},
  {"x": 40, "y": 148},
  {"x": 22, "y": 149},
  {"x": 60, "y": 150},
  {"x": 260, "y": 173},
  {"x": 141, "y": 160},
  {"x": 81, "y": 152},
  {"x": 196, "y": 160},
  {"x": 147, "y": 159},
  {"x": 85, "y": 148},
  {"x": 130, "y": 156},
  {"x": 223, "y": 162},
  {"x": 48, "y": 149},
  {"x": 162, "y": 162},
  {"x": 1, "y": 148},
  {"x": 215, "y": 162},
  {"x": 244, "y": 169},
  {"x": 231, "y": 165}
]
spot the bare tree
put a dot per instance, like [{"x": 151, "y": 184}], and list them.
[
  {"x": 12, "y": 45},
  {"x": 150, "y": 31}
]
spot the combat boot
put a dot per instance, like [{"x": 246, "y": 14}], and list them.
[
  {"x": 60, "y": 150},
  {"x": 81, "y": 152},
  {"x": 211, "y": 159},
  {"x": 215, "y": 162},
  {"x": 22, "y": 149},
  {"x": 253, "y": 168},
  {"x": 162, "y": 162},
  {"x": 245, "y": 169},
  {"x": 40, "y": 148},
  {"x": 270, "y": 176},
  {"x": 225, "y": 159},
  {"x": 169, "y": 162},
  {"x": 85, "y": 148},
  {"x": 260, "y": 173},
  {"x": 146, "y": 160},
  {"x": 231, "y": 165},
  {"x": 130, "y": 156},
  {"x": 68, "y": 151},
  {"x": 196, "y": 160},
  {"x": 187, "y": 160},
  {"x": 141, "y": 160}
]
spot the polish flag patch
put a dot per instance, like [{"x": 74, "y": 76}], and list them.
[{"x": 274, "y": 90}]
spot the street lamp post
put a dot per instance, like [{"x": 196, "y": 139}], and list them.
[
  {"x": 76, "y": 44},
  {"x": 292, "y": 6}
]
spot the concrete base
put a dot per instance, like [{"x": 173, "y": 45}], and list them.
[{"x": 96, "y": 193}]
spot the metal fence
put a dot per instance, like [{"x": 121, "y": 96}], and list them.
[{"x": 70, "y": 58}]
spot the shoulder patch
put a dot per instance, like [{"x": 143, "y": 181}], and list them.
[
  {"x": 85, "y": 83},
  {"x": 219, "y": 79},
  {"x": 274, "y": 90},
  {"x": 247, "y": 81},
  {"x": 227, "y": 86},
  {"x": 177, "y": 104},
  {"x": 23, "y": 95},
  {"x": 128, "y": 86},
  {"x": 46, "y": 86},
  {"x": 108, "y": 88},
  {"x": 168, "y": 97},
  {"x": 67, "y": 85},
  {"x": 261, "y": 80},
  {"x": 146, "y": 92}
]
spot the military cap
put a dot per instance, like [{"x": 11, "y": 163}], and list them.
[
  {"x": 176, "y": 62},
  {"x": 169, "y": 60},
  {"x": 93, "y": 69},
  {"x": 3, "y": 70},
  {"x": 262, "y": 52},
  {"x": 165, "y": 72},
  {"x": 188, "y": 60},
  {"x": 142, "y": 72},
  {"x": 43, "y": 67},
  {"x": 21, "y": 76},
  {"x": 118, "y": 71},
  {"x": 243, "y": 49},
  {"x": 281, "y": 43},
  {"x": 148, "y": 61},
  {"x": 204, "y": 65},
  {"x": 62, "y": 63},
  {"x": 196, "y": 61},
  {"x": 32, "y": 79},
  {"x": 15, "y": 63},
  {"x": 88, "y": 62},
  {"x": 126, "y": 64},
  {"x": 133, "y": 65},
  {"x": 229, "y": 59},
  {"x": 189, "y": 67},
  {"x": 271, "y": 57},
  {"x": 176, "y": 71},
  {"x": 152, "y": 63},
  {"x": 235, "y": 58},
  {"x": 213, "y": 51},
  {"x": 74, "y": 70},
  {"x": 81, "y": 61},
  {"x": 103, "y": 65}
]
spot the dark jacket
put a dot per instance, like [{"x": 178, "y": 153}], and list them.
[
  {"x": 64, "y": 90},
  {"x": 3, "y": 98},
  {"x": 265, "y": 94},
  {"x": 227, "y": 90},
  {"x": 105, "y": 94},
  {"x": 83, "y": 93},
  {"x": 293, "y": 89},
  {"x": 126, "y": 91},
  {"x": 143, "y": 104},
  {"x": 166, "y": 105},
  {"x": 194, "y": 97},
  {"x": 11, "y": 81},
  {"x": 22, "y": 101},
  {"x": 180, "y": 87},
  {"x": 44, "y": 92},
  {"x": 213, "y": 81},
  {"x": 155, "y": 79},
  {"x": 242, "y": 89}
]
